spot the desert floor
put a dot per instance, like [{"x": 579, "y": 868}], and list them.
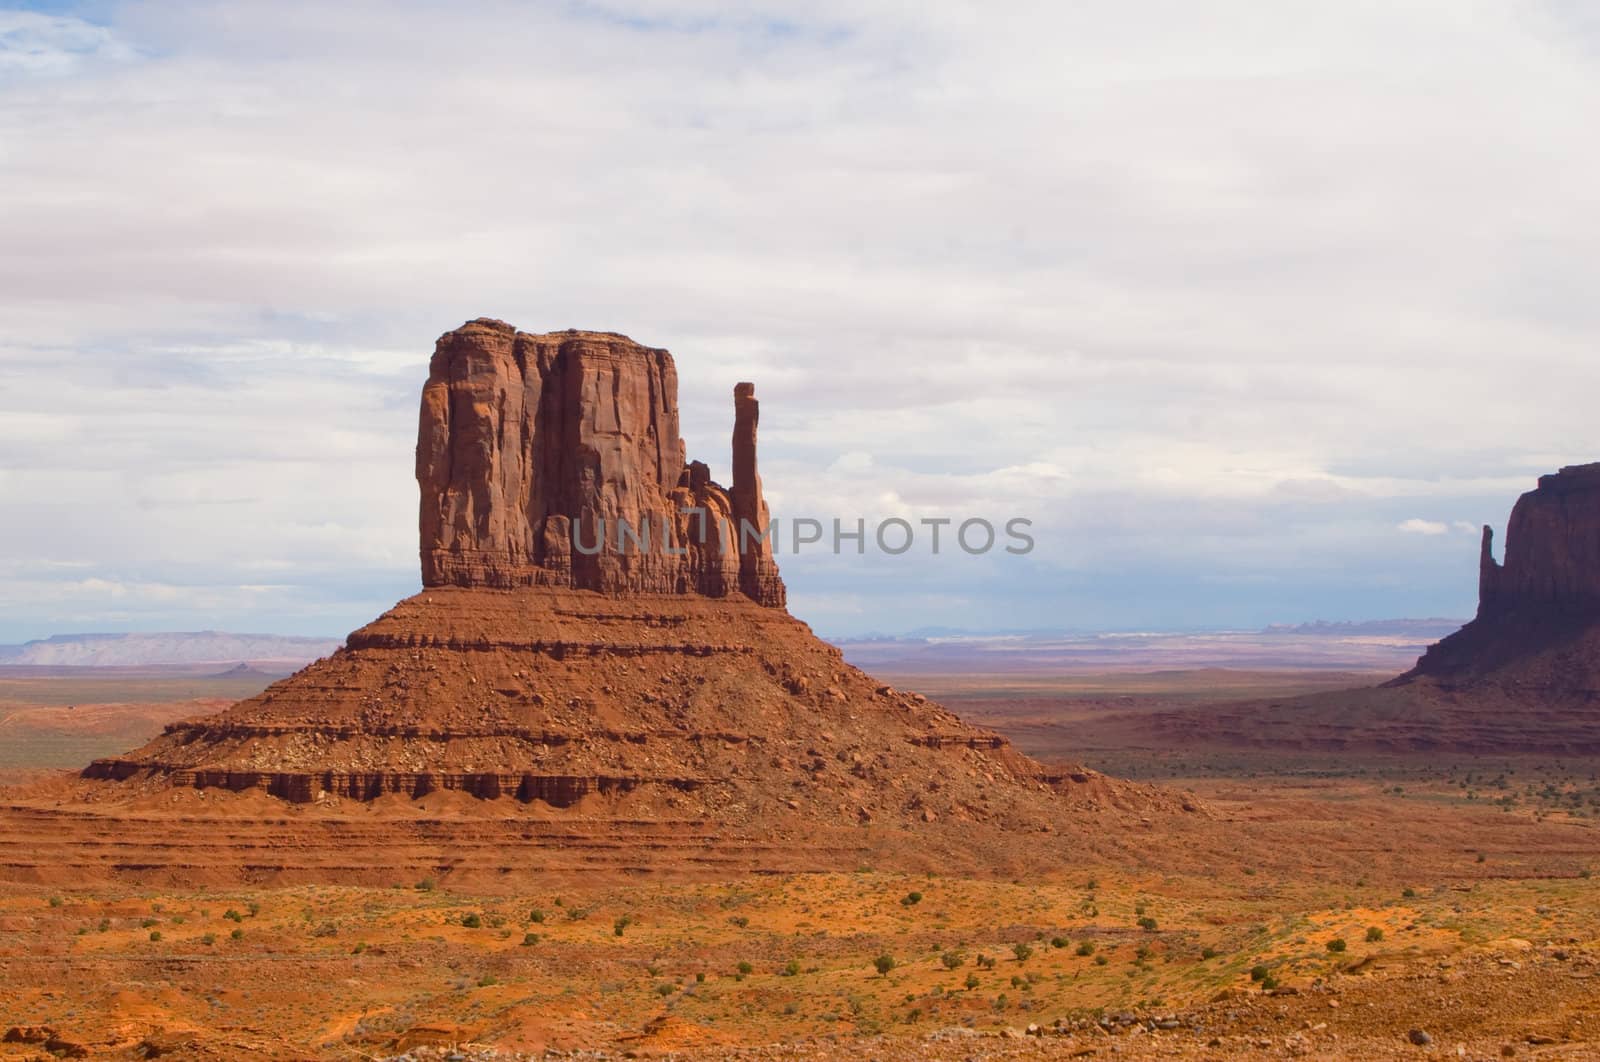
[{"x": 1326, "y": 909}]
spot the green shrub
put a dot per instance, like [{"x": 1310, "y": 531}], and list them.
[
  {"x": 1337, "y": 945},
  {"x": 952, "y": 959},
  {"x": 1259, "y": 972},
  {"x": 911, "y": 899},
  {"x": 1023, "y": 952},
  {"x": 1086, "y": 948},
  {"x": 883, "y": 964},
  {"x": 791, "y": 968},
  {"x": 1374, "y": 934},
  {"x": 1147, "y": 924},
  {"x": 472, "y": 921}
]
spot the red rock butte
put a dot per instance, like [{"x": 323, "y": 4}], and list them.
[
  {"x": 535, "y": 450},
  {"x": 608, "y": 702},
  {"x": 1537, "y": 631},
  {"x": 1522, "y": 678}
]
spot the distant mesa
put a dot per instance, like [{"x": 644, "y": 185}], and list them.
[
  {"x": 275, "y": 653},
  {"x": 602, "y": 637}
]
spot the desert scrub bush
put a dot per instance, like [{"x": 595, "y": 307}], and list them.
[
  {"x": 230, "y": 915},
  {"x": 883, "y": 964},
  {"x": 1147, "y": 924},
  {"x": 665, "y": 990},
  {"x": 972, "y": 981},
  {"x": 952, "y": 960},
  {"x": 237, "y": 934},
  {"x": 577, "y": 914},
  {"x": 146, "y": 923},
  {"x": 1022, "y": 951},
  {"x": 1100, "y": 960},
  {"x": 56, "y": 901},
  {"x": 472, "y": 921},
  {"x": 911, "y": 899},
  {"x": 426, "y": 885},
  {"x": 488, "y": 980},
  {"x": 529, "y": 939},
  {"x": 743, "y": 970},
  {"x": 1337, "y": 945},
  {"x": 1259, "y": 972},
  {"x": 738, "y": 920},
  {"x": 1374, "y": 934},
  {"x": 791, "y": 968},
  {"x": 1059, "y": 942},
  {"x": 209, "y": 939},
  {"x": 1208, "y": 953},
  {"x": 1086, "y": 948},
  {"x": 155, "y": 936},
  {"x": 536, "y": 916},
  {"x": 620, "y": 925},
  {"x": 326, "y": 929}
]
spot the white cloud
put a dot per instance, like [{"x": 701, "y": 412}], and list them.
[
  {"x": 1226, "y": 290},
  {"x": 1415, "y": 526}
]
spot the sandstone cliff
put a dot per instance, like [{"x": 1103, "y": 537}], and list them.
[
  {"x": 1537, "y": 632},
  {"x": 1552, "y": 549},
  {"x": 555, "y": 460}
]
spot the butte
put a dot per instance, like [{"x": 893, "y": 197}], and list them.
[
  {"x": 1522, "y": 678},
  {"x": 565, "y": 696}
]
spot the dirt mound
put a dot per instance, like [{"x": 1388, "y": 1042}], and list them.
[{"x": 677, "y": 703}]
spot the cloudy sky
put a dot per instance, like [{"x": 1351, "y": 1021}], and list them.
[{"x": 1257, "y": 310}]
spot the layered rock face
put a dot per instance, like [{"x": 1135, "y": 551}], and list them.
[
  {"x": 555, "y": 460},
  {"x": 630, "y": 686},
  {"x": 1537, "y": 632},
  {"x": 1552, "y": 549}
]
